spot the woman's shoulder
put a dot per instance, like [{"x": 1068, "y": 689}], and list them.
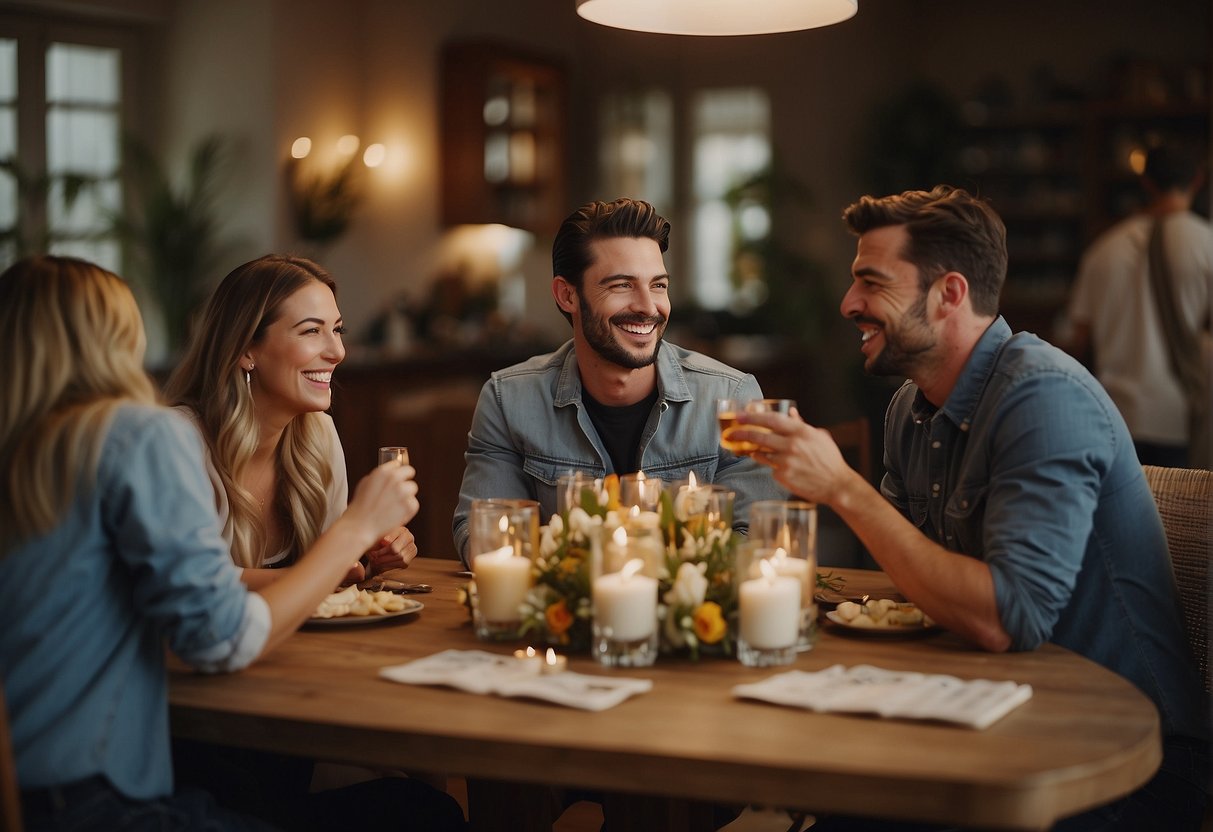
[{"x": 134, "y": 425}]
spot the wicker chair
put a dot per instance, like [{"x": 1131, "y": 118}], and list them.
[
  {"x": 10, "y": 809},
  {"x": 1185, "y": 501}
]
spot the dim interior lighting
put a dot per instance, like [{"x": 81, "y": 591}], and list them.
[
  {"x": 716, "y": 17},
  {"x": 301, "y": 147},
  {"x": 374, "y": 155},
  {"x": 1137, "y": 160},
  {"x": 347, "y": 145}
]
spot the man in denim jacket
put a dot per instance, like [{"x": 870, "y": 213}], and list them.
[
  {"x": 1015, "y": 510},
  {"x": 616, "y": 398}
]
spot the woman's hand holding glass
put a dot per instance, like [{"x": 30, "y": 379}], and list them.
[
  {"x": 397, "y": 548},
  {"x": 383, "y": 497}
]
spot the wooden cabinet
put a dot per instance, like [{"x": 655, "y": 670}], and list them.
[{"x": 504, "y": 137}]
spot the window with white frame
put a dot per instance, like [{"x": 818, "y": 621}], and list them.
[{"x": 62, "y": 98}]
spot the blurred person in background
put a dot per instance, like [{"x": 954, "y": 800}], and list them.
[{"x": 1139, "y": 315}]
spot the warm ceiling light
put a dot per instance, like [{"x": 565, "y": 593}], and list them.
[{"x": 716, "y": 17}]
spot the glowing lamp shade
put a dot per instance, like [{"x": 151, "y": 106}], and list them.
[{"x": 716, "y": 17}]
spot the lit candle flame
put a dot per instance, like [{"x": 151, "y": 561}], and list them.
[
  {"x": 503, "y": 524},
  {"x": 551, "y": 657},
  {"x": 630, "y": 568},
  {"x": 768, "y": 571},
  {"x": 620, "y": 536},
  {"x": 691, "y": 481},
  {"x": 780, "y": 554},
  {"x": 530, "y": 652}
]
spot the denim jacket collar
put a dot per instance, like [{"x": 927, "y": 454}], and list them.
[
  {"x": 671, "y": 381},
  {"x": 962, "y": 402}
]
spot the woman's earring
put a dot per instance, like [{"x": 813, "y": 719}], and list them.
[{"x": 248, "y": 376}]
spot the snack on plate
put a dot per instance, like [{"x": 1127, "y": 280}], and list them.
[
  {"x": 882, "y": 612},
  {"x": 361, "y": 602}
]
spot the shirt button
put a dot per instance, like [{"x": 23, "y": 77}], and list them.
[{"x": 935, "y": 444}]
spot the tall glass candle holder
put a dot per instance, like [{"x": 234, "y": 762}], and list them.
[
  {"x": 503, "y": 539},
  {"x": 571, "y": 487},
  {"x": 790, "y": 527},
  {"x": 641, "y": 491},
  {"x": 625, "y": 617},
  {"x": 768, "y": 613}
]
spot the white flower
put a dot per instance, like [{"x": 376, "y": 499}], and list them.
[
  {"x": 556, "y": 524},
  {"x": 690, "y": 586},
  {"x": 547, "y": 541},
  {"x": 580, "y": 523}
]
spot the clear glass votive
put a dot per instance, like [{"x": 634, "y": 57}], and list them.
[
  {"x": 786, "y": 532},
  {"x": 768, "y": 613},
  {"x": 641, "y": 491},
  {"x": 703, "y": 507},
  {"x": 625, "y": 618},
  {"x": 503, "y": 536},
  {"x": 571, "y": 488}
]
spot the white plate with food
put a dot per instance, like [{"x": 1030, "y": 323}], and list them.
[
  {"x": 411, "y": 607},
  {"x": 882, "y": 617},
  {"x": 352, "y": 606}
]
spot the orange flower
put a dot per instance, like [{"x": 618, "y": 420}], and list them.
[
  {"x": 558, "y": 618},
  {"x": 610, "y": 484},
  {"x": 708, "y": 622}
]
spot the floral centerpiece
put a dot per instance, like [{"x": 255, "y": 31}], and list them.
[{"x": 695, "y": 570}]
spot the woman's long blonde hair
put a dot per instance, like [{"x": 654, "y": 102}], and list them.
[
  {"x": 211, "y": 381},
  {"x": 74, "y": 343}
]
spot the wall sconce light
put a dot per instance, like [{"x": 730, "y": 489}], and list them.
[
  {"x": 716, "y": 17},
  {"x": 323, "y": 202}
]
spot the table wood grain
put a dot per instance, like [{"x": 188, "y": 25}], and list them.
[{"x": 1086, "y": 737}]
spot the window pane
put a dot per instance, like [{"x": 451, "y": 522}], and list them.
[
  {"x": 8, "y": 132},
  {"x": 88, "y": 213},
  {"x": 8, "y": 70},
  {"x": 105, "y": 253},
  {"x": 8, "y": 201},
  {"x": 731, "y": 144},
  {"x": 82, "y": 74},
  {"x": 637, "y": 146},
  {"x": 82, "y": 141}
]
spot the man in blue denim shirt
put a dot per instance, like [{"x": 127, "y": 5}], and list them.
[
  {"x": 616, "y": 398},
  {"x": 1015, "y": 511}
]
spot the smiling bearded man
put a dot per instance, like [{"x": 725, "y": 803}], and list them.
[{"x": 616, "y": 398}]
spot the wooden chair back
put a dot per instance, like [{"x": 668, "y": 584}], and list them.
[
  {"x": 10, "y": 796},
  {"x": 1185, "y": 501},
  {"x": 854, "y": 439}
]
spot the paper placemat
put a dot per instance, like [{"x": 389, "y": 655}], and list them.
[
  {"x": 977, "y": 703},
  {"x": 478, "y": 671}
]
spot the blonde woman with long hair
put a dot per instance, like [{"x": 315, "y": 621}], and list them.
[
  {"x": 110, "y": 548},
  {"x": 255, "y": 382}
]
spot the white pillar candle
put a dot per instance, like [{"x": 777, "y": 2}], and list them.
[
  {"x": 625, "y": 603},
  {"x": 786, "y": 567},
  {"x": 502, "y": 581},
  {"x": 769, "y": 610}
]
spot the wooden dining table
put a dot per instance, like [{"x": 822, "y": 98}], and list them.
[{"x": 1086, "y": 736}]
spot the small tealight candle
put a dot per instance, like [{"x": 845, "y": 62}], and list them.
[
  {"x": 553, "y": 663},
  {"x": 530, "y": 659},
  {"x": 625, "y": 603},
  {"x": 785, "y": 566},
  {"x": 502, "y": 581},
  {"x": 769, "y": 610}
]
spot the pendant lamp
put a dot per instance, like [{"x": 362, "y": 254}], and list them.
[{"x": 716, "y": 17}]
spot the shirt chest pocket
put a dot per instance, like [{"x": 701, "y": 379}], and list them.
[{"x": 963, "y": 518}]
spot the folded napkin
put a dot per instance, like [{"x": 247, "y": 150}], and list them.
[
  {"x": 977, "y": 703},
  {"x": 478, "y": 671}
]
